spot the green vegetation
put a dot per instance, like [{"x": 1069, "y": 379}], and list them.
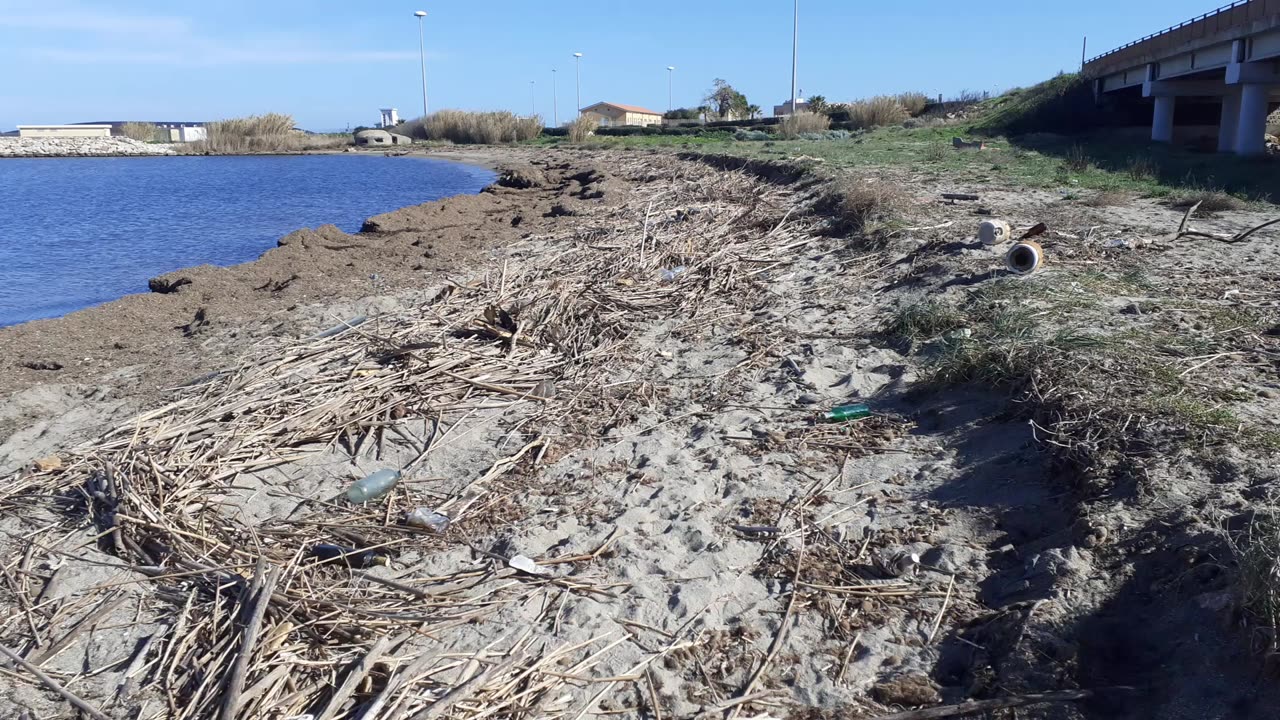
[
  {"x": 1257, "y": 550},
  {"x": 581, "y": 128},
  {"x": 727, "y": 103},
  {"x": 1063, "y": 104},
  {"x": 472, "y": 128}
]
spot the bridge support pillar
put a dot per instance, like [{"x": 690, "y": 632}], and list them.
[
  {"x": 1162, "y": 120},
  {"x": 1252, "y": 126},
  {"x": 1229, "y": 121}
]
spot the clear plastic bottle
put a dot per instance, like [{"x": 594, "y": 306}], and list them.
[
  {"x": 427, "y": 519},
  {"x": 373, "y": 486}
]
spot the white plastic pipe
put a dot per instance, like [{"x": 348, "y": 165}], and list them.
[{"x": 1025, "y": 257}]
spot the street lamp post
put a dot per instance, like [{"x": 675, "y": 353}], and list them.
[
  {"x": 795, "y": 53},
  {"x": 422, "y": 58},
  {"x": 577, "y": 74},
  {"x": 670, "y": 71},
  {"x": 555, "y": 99},
  {"x": 533, "y": 98}
]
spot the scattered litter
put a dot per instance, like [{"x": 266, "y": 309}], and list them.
[
  {"x": 45, "y": 464},
  {"x": 669, "y": 274},
  {"x": 1034, "y": 231},
  {"x": 427, "y": 520},
  {"x": 1126, "y": 243},
  {"x": 527, "y": 565},
  {"x": 994, "y": 232},
  {"x": 1025, "y": 258},
  {"x": 897, "y": 564},
  {"x": 373, "y": 486},
  {"x": 350, "y": 556},
  {"x": 340, "y": 328},
  {"x": 959, "y": 196},
  {"x": 757, "y": 529},
  {"x": 846, "y": 412},
  {"x": 961, "y": 144}
]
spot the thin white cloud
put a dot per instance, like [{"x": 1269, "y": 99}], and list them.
[
  {"x": 77, "y": 20},
  {"x": 212, "y": 55}
]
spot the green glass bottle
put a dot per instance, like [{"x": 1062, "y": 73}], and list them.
[{"x": 846, "y": 412}]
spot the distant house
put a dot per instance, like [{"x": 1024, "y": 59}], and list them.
[
  {"x": 611, "y": 114},
  {"x": 64, "y": 131},
  {"x": 785, "y": 108}
]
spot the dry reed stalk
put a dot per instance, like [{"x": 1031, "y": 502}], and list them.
[{"x": 156, "y": 487}]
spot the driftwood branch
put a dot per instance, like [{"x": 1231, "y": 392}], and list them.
[
  {"x": 53, "y": 685},
  {"x": 980, "y": 706},
  {"x": 1242, "y": 236}
]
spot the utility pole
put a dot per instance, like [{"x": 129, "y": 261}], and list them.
[
  {"x": 1083, "y": 49},
  {"x": 533, "y": 98},
  {"x": 555, "y": 99},
  {"x": 422, "y": 57},
  {"x": 795, "y": 54},
  {"x": 670, "y": 71},
  {"x": 577, "y": 74}
]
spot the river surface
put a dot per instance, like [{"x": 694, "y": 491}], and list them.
[{"x": 75, "y": 232}]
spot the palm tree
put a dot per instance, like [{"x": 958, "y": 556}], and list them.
[
  {"x": 818, "y": 104},
  {"x": 753, "y": 111}
]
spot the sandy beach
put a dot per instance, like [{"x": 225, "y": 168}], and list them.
[{"x": 609, "y": 372}]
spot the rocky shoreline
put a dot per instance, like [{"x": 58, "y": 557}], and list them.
[{"x": 81, "y": 147}]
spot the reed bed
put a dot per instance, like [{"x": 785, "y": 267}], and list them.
[{"x": 253, "y": 625}]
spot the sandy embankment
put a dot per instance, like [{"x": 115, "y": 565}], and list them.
[{"x": 623, "y": 385}]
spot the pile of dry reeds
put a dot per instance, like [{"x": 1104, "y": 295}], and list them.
[{"x": 257, "y": 625}]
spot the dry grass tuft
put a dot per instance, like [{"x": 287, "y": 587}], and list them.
[
  {"x": 144, "y": 132},
  {"x": 805, "y": 122},
  {"x": 475, "y": 128},
  {"x": 862, "y": 205},
  {"x": 913, "y": 102},
  {"x": 1109, "y": 198},
  {"x": 1210, "y": 201},
  {"x": 1142, "y": 168},
  {"x": 273, "y": 132},
  {"x": 882, "y": 110},
  {"x": 582, "y": 128},
  {"x": 1257, "y": 550}
]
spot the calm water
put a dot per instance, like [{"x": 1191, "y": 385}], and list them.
[{"x": 76, "y": 232}]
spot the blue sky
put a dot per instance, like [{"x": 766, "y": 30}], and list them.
[{"x": 332, "y": 64}]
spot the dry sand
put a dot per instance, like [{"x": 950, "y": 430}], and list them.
[{"x": 711, "y": 549}]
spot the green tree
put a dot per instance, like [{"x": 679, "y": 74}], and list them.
[
  {"x": 753, "y": 111},
  {"x": 726, "y": 102},
  {"x": 818, "y": 104}
]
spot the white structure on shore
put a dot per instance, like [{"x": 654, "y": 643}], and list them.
[
  {"x": 63, "y": 131},
  {"x": 390, "y": 117}
]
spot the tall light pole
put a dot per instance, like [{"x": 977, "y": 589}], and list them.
[
  {"x": 795, "y": 54},
  {"x": 533, "y": 98},
  {"x": 577, "y": 74},
  {"x": 422, "y": 57},
  {"x": 555, "y": 100},
  {"x": 670, "y": 71}
]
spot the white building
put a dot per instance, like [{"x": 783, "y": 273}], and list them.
[{"x": 390, "y": 117}]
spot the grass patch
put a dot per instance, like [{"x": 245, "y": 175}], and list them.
[
  {"x": 270, "y": 133},
  {"x": 582, "y": 128},
  {"x": 862, "y": 205},
  {"x": 1257, "y": 550},
  {"x": 913, "y": 102},
  {"x": 924, "y": 320},
  {"x": 1108, "y": 198},
  {"x": 877, "y": 112},
  {"x": 473, "y": 128},
  {"x": 1210, "y": 201},
  {"x": 1096, "y": 390},
  {"x": 794, "y": 125},
  {"x": 144, "y": 132}
]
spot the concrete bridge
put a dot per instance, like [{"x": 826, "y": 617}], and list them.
[{"x": 1230, "y": 56}]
